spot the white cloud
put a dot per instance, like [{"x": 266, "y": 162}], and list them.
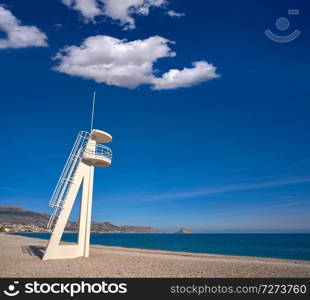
[
  {"x": 175, "y": 14},
  {"x": 128, "y": 63},
  {"x": 112, "y": 61},
  {"x": 88, "y": 8},
  {"x": 230, "y": 188},
  {"x": 118, "y": 10},
  {"x": 201, "y": 71},
  {"x": 19, "y": 36}
]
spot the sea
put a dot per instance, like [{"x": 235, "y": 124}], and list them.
[{"x": 288, "y": 246}]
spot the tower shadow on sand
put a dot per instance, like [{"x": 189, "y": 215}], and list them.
[{"x": 36, "y": 251}]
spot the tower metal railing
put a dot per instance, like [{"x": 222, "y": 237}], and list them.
[
  {"x": 67, "y": 175},
  {"x": 99, "y": 150}
]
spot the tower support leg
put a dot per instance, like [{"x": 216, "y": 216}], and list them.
[{"x": 84, "y": 175}]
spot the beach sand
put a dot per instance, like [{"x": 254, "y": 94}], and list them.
[{"x": 20, "y": 257}]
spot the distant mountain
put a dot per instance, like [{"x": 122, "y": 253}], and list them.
[
  {"x": 19, "y": 215},
  {"x": 184, "y": 230}
]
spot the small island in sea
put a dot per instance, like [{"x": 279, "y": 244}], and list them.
[{"x": 184, "y": 230}]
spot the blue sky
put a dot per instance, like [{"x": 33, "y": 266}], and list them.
[{"x": 226, "y": 154}]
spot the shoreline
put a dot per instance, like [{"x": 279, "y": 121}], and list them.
[
  {"x": 21, "y": 257},
  {"x": 170, "y": 252},
  {"x": 170, "y": 249}
]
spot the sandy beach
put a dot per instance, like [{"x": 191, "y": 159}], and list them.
[{"x": 21, "y": 257}]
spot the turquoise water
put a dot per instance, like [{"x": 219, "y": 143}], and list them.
[{"x": 290, "y": 246}]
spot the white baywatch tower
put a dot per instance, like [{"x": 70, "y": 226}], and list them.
[{"x": 88, "y": 152}]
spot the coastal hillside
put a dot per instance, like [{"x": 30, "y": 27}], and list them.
[{"x": 24, "y": 218}]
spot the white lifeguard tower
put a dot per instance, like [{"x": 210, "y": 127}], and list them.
[{"x": 88, "y": 152}]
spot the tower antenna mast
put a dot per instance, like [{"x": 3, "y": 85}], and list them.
[{"x": 93, "y": 112}]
